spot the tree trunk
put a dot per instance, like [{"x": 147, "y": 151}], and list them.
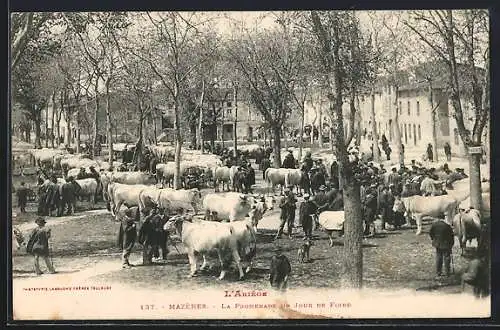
[
  {"x": 476, "y": 200},
  {"x": 47, "y": 127},
  {"x": 53, "y": 119},
  {"x": 68, "y": 126},
  {"x": 395, "y": 125},
  {"x": 320, "y": 128},
  {"x": 200, "y": 122},
  {"x": 96, "y": 119},
  {"x": 77, "y": 126},
  {"x": 178, "y": 140},
  {"x": 235, "y": 133},
  {"x": 301, "y": 139},
  {"x": 353, "y": 238},
  {"x": 434, "y": 123},
  {"x": 155, "y": 129},
  {"x": 277, "y": 145},
  {"x": 375, "y": 151},
  {"x": 37, "y": 121},
  {"x": 109, "y": 134}
]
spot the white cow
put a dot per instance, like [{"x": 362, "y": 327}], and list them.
[
  {"x": 430, "y": 206},
  {"x": 236, "y": 238},
  {"x": 227, "y": 207},
  {"x": 89, "y": 188},
  {"x": 182, "y": 199},
  {"x": 123, "y": 194},
  {"x": 224, "y": 174}
]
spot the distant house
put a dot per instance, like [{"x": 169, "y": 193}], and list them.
[{"x": 413, "y": 106}]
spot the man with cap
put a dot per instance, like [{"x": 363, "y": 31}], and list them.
[
  {"x": 128, "y": 233},
  {"x": 22, "y": 197},
  {"x": 289, "y": 161},
  {"x": 148, "y": 237},
  {"x": 307, "y": 162},
  {"x": 161, "y": 235},
  {"x": 287, "y": 216},
  {"x": 306, "y": 212},
  {"x": 320, "y": 199},
  {"x": 279, "y": 270},
  {"x": 443, "y": 240},
  {"x": 317, "y": 179},
  {"x": 38, "y": 246}
]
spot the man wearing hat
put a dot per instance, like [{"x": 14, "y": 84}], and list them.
[
  {"x": 128, "y": 233},
  {"x": 443, "y": 240},
  {"x": 38, "y": 246},
  {"x": 320, "y": 199},
  {"x": 22, "y": 197},
  {"x": 289, "y": 161},
  {"x": 317, "y": 179},
  {"x": 148, "y": 237},
  {"x": 288, "y": 207},
  {"x": 306, "y": 212}
]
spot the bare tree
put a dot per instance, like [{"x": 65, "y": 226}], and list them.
[
  {"x": 173, "y": 39},
  {"x": 335, "y": 33},
  {"x": 460, "y": 40}
]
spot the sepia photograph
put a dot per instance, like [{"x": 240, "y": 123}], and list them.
[{"x": 193, "y": 165}]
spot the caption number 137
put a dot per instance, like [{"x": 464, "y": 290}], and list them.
[{"x": 147, "y": 307}]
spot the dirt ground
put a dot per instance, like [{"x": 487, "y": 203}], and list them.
[{"x": 85, "y": 244}]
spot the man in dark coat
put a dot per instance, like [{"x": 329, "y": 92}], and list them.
[
  {"x": 447, "y": 151},
  {"x": 442, "y": 238},
  {"x": 147, "y": 236},
  {"x": 52, "y": 196},
  {"x": 429, "y": 152},
  {"x": 279, "y": 270},
  {"x": 317, "y": 180},
  {"x": 321, "y": 200},
  {"x": 369, "y": 210},
  {"x": 307, "y": 163},
  {"x": 287, "y": 216},
  {"x": 38, "y": 246},
  {"x": 68, "y": 193},
  {"x": 265, "y": 164},
  {"x": 128, "y": 233},
  {"x": 22, "y": 197},
  {"x": 307, "y": 209},
  {"x": 386, "y": 204},
  {"x": 305, "y": 183},
  {"x": 161, "y": 235},
  {"x": 289, "y": 161}
]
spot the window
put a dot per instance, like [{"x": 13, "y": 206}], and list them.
[
  {"x": 419, "y": 132},
  {"x": 229, "y": 104},
  {"x": 229, "y": 111},
  {"x": 409, "y": 131},
  {"x": 418, "y": 109},
  {"x": 408, "y": 108},
  {"x": 129, "y": 116},
  {"x": 400, "y": 110}
]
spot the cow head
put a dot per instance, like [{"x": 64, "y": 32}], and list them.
[{"x": 399, "y": 205}]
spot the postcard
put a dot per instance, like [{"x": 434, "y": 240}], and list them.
[{"x": 250, "y": 165}]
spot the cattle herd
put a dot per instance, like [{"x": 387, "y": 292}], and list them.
[{"x": 230, "y": 218}]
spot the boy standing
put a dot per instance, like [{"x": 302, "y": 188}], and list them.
[{"x": 38, "y": 246}]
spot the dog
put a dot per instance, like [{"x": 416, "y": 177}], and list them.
[
  {"x": 279, "y": 271},
  {"x": 303, "y": 252}
]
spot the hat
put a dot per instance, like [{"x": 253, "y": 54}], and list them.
[
  {"x": 40, "y": 220},
  {"x": 306, "y": 196},
  {"x": 322, "y": 187},
  {"x": 92, "y": 167}
]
